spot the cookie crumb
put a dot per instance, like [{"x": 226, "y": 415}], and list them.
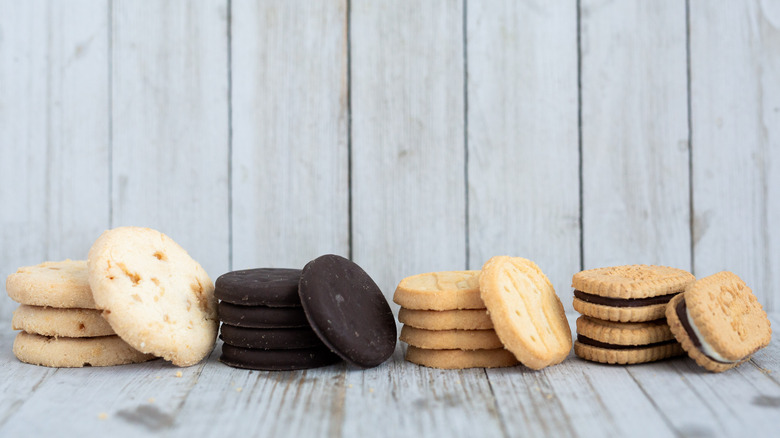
[
  {"x": 239, "y": 389},
  {"x": 349, "y": 386},
  {"x": 548, "y": 396},
  {"x": 102, "y": 415},
  {"x": 370, "y": 389},
  {"x": 151, "y": 400},
  {"x": 178, "y": 374}
]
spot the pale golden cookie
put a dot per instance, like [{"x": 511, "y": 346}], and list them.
[
  {"x": 626, "y": 357},
  {"x": 447, "y": 290},
  {"x": 62, "y": 284},
  {"x": 620, "y": 314},
  {"x": 153, "y": 294},
  {"x": 450, "y": 339},
  {"x": 469, "y": 319},
  {"x": 459, "y": 359},
  {"x": 619, "y": 333},
  {"x": 75, "y": 352},
  {"x": 632, "y": 281},
  {"x": 71, "y": 323},
  {"x": 527, "y": 315}
]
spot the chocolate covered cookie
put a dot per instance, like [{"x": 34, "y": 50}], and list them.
[
  {"x": 272, "y": 287},
  {"x": 277, "y": 360},
  {"x": 270, "y": 339}
]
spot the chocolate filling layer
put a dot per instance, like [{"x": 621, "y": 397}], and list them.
[
  {"x": 594, "y": 343},
  {"x": 682, "y": 315},
  {"x": 623, "y": 302}
]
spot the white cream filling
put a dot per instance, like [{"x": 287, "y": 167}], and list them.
[{"x": 706, "y": 348}]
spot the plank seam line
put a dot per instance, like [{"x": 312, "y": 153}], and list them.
[
  {"x": 654, "y": 404},
  {"x": 110, "y": 72},
  {"x": 690, "y": 133},
  {"x": 466, "y": 129},
  {"x": 501, "y": 420},
  {"x": 349, "y": 131},
  {"x": 230, "y": 131},
  {"x": 698, "y": 395},
  {"x": 16, "y": 406},
  {"x": 579, "y": 132}
]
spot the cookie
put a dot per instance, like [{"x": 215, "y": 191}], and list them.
[
  {"x": 459, "y": 359},
  {"x": 262, "y": 316},
  {"x": 719, "y": 322},
  {"x": 632, "y": 293},
  {"x": 153, "y": 294},
  {"x": 347, "y": 310},
  {"x": 62, "y": 284},
  {"x": 624, "y": 343},
  {"x": 51, "y": 321},
  {"x": 75, "y": 352},
  {"x": 446, "y": 290},
  {"x": 271, "y": 287},
  {"x": 269, "y": 339},
  {"x": 468, "y": 319},
  {"x": 277, "y": 360},
  {"x": 450, "y": 339},
  {"x": 527, "y": 315}
]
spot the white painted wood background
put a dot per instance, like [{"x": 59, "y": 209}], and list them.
[{"x": 411, "y": 136}]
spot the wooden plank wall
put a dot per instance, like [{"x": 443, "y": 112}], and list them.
[{"x": 411, "y": 136}]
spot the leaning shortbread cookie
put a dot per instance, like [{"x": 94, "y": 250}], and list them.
[
  {"x": 62, "y": 284},
  {"x": 447, "y": 290},
  {"x": 526, "y": 313},
  {"x": 719, "y": 322},
  {"x": 70, "y": 323},
  {"x": 632, "y": 293},
  {"x": 153, "y": 294},
  {"x": 75, "y": 352},
  {"x": 450, "y": 339},
  {"x": 624, "y": 342},
  {"x": 460, "y": 359},
  {"x": 466, "y": 319}
]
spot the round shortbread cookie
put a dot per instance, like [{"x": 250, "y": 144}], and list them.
[
  {"x": 467, "y": 319},
  {"x": 632, "y": 281},
  {"x": 450, "y": 339},
  {"x": 459, "y": 359},
  {"x": 70, "y": 323},
  {"x": 75, "y": 352},
  {"x": 526, "y": 313},
  {"x": 624, "y": 333},
  {"x": 153, "y": 294},
  {"x": 620, "y": 314},
  {"x": 627, "y": 357},
  {"x": 446, "y": 290},
  {"x": 62, "y": 284}
]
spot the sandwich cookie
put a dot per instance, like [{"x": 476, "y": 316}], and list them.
[
  {"x": 75, "y": 352},
  {"x": 51, "y": 321},
  {"x": 719, "y": 322},
  {"x": 460, "y": 359},
  {"x": 624, "y": 343},
  {"x": 470, "y": 319},
  {"x": 277, "y": 360},
  {"x": 632, "y": 293},
  {"x": 448, "y": 290},
  {"x": 450, "y": 339},
  {"x": 527, "y": 315}
]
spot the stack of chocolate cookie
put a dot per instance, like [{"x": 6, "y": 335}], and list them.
[
  {"x": 446, "y": 323},
  {"x": 624, "y": 313},
  {"x": 60, "y": 323},
  {"x": 287, "y": 319}
]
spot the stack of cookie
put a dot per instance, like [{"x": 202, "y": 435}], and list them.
[
  {"x": 60, "y": 323},
  {"x": 624, "y": 313},
  {"x": 446, "y": 323}
]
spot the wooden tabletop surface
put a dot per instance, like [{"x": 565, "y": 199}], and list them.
[{"x": 576, "y": 398}]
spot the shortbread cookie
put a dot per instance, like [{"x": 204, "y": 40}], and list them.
[
  {"x": 273, "y": 287},
  {"x": 624, "y": 343},
  {"x": 62, "y": 284},
  {"x": 262, "y": 316},
  {"x": 459, "y": 359},
  {"x": 270, "y": 339},
  {"x": 467, "y": 319},
  {"x": 447, "y": 290},
  {"x": 632, "y": 293},
  {"x": 277, "y": 360},
  {"x": 527, "y": 315},
  {"x": 450, "y": 339},
  {"x": 719, "y": 322},
  {"x": 75, "y": 352},
  {"x": 51, "y": 321},
  {"x": 153, "y": 294}
]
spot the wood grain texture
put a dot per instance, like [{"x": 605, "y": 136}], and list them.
[
  {"x": 634, "y": 134},
  {"x": 735, "y": 117},
  {"x": 290, "y": 153},
  {"x": 170, "y": 123},
  {"x": 408, "y": 188},
  {"x": 523, "y": 154},
  {"x": 53, "y": 132}
]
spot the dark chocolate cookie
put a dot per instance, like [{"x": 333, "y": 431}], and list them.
[
  {"x": 270, "y": 339},
  {"x": 277, "y": 360},
  {"x": 261, "y": 316},
  {"x": 347, "y": 310},
  {"x": 272, "y": 287}
]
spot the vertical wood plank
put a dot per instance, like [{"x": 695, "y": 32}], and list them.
[
  {"x": 290, "y": 153},
  {"x": 523, "y": 160},
  {"x": 635, "y": 134},
  {"x": 408, "y": 188},
  {"x": 53, "y": 132},
  {"x": 170, "y": 123},
  {"x": 735, "y": 117}
]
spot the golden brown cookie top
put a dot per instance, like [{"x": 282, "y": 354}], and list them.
[
  {"x": 632, "y": 281},
  {"x": 63, "y": 284},
  {"x": 445, "y": 290}
]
